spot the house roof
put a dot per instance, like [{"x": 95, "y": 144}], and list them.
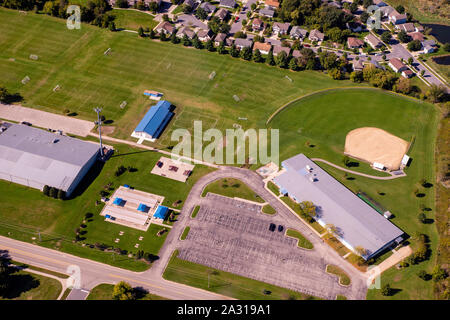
[
  {"x": 296, "y": 30},
  {"x": 186, "y": 31},
  {"x": 204, "y": 33},
  {"x": 272, "y": 3},
  {"x": 165, "y": 25},
  {"x": 279, "y": 49},
  {"x": 316, "y": 34},
  {"x": 407, "y": 27},
  {"x": 357, "y": 223},
  {"x": 222, "y": 13},
  {"x": 416, "y": 36},
  {"x": 396, "y": 63},
  {"x": 220, "y": 37},
  {"x": 257, "y": 22},
  {"x": 161, "y": 212},
  {"x": 155, "y": 119},
  {"x": 43, "y": 157},
  {"x": 228, "y": 3},
  {"x": 357, "y": 64},
  {"x": 243, "y": 42},
  {"x": 296, "y": 53},
  {"x": 208, "y": 7},
  {"x": 281, "y": 26},
  {"x": 262, "y": 46},
  {"x": 267, "y": 12},
  {"x": 354, "y": 42},
  {"x": 373, "y": 40}
]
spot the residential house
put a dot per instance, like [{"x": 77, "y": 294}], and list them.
[
  {"x": 397, "y": 65},
  {"x": 243, "y": 43},
  {"x": 264, "y": 48},
  {"x": 267, "y": 12},
  {"x": 280, "y": 28},
  {"x": 335, "y": 4},
  {"x": 190, "y": 3},
  {"x": 227, "y": 3},
  {"x": 379, "y": 3},
  {"x": 373, "y": 41},
  {"x": 219, "y": 38},
  {"x": 353, "y": 43},
  {"x": 185, "y": 31},
  {"x": 257, "y": 24},
  {"x": 416, "y": 36},
  {"x": 357, "y": 65},
  {"x": 208, "y": 7},
  {"x": 204, "y": 35},
  {"x": 397, "y": 18},
  {"x": 316, "y": 35},
  {"x": 428, "y": 49},
  {"x": 385, "y": 11},
  {"x": 296, "y": 53},
  {"x": 419, "y": 28},
  {"x": 273, "y": 4},
  {"x": 407, "y": 73},
  {"x": 278, "y": 49},
  {"x": 165, "y": 27},
  {"x": 407, "y": 27},
  {"x": 298, "y": 33},
  {"x": 222, "y": 14}
]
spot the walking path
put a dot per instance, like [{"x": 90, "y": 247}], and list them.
[{"x": 392, "y": 176}]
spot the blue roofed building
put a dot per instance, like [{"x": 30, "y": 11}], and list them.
[
  {"x": 161, "y": 213},
  {"x": 357, "y": 225},
  {"x": 154, "y": 122}
]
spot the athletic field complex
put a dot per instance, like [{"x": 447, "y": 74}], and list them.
[{"x": 313, "y": 124}]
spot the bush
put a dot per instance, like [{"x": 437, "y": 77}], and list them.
[
  {"x": 386, "y": 290},
  {"x": 414, "y": 45},
  {"x": 46, "y": 190},
  {"x": 53, "y": 192},
  {"x": 61, "y": 194},
  {"x": 120, "y": 170}
]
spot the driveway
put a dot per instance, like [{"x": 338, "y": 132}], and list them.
[
  {"x": 237, "y": 26},
  {"x": 189, "y": 20}
]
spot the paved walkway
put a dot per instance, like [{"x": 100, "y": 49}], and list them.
[
  {"x": 46, "y": 120},
  {"x": 392, "y": 176},
  {"x": 395, "y": 258}
]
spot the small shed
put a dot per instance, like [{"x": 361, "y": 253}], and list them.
[
  {"x": 119, "y": 202},
  {"x": 378, "y": 165},
  {"x": 161, "y": 212}
]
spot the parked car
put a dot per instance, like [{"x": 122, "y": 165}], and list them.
[
  {"x": 237, "y": 19},
  {"x": 280, "y": 228},
  {"x": 272, "y": 227},
  {"x": 26, "y": 123}
]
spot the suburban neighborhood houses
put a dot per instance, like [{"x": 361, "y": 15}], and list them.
[{"x": 224, "y": 150}]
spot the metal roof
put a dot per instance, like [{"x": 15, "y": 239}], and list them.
[
  {"x": 155, "y": 119},
  {"x": 358, "y": 224},
  {"x": 41, "y": 156}
]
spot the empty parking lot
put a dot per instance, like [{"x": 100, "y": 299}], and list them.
[{"x": 232, "y": 235}]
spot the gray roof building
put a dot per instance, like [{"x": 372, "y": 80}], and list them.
[
  {"x": 35, "y": 158},
  {"x": 242, "y": 43},
  {"x": 208, "y": 7},
  {"x": 357, "y": 223},
  {"x": 297, "y": 32},
  {"x": 227, "y": 3},
  {"x": 268, "y": 12}
]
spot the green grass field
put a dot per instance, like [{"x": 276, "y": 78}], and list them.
[
  {"x": 104, "y": 291},
  {"x": 57, "y": 220},
  {"x": 344, "y": 279},
  {"x": 132, "y": 20},
  {"x": 302, "y": 241},
  {"x": 232, "y": 188},
  {"x": 30, "y": 286},
  {"x": 268, "y": 209},
  {"x": 225, "y": 283},
  {"x": 185, "y": 233}
]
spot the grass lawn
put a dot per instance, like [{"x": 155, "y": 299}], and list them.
[
  {"x": 225, "y": 283},
  {"x": 296, "y": 207},
  {"x": 344, "y": 279},
  {"x": 302, "y": 241},
  {"x": 30, "y": 286},
  {"x": 232, "y": 188},
  {"x": 185, "y": 233},
  {"x": 268, "y": 209},
  {"x": 132, "y": 20},
  {"x": 423, "y": 11},
  {"x": 57, "y": 220},
  {"x": 74, "y": 59},
  {"x": 273, "y": 187},
  {"x": 194, "y": 213},
  {"x": 104, "y": 291}
]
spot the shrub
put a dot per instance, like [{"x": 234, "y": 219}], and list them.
[
  {"x": 61, "y": 194},
  {"x": 53, "y": 192},
  {"x": 46, "y": 190},
  {"x": 386, "y": 290}
]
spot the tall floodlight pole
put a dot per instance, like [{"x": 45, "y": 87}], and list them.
[{"x": 99, "y": 123}]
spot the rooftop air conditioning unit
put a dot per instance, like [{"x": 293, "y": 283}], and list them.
[{"x": 308, "y": 168}]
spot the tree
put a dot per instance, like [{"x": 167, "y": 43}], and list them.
[
  {"x": 400, "y": 9},
  {"x": 422, "y": 274},
  {"x": 46, "y": 190},
  {"x": 112, "y": 26},
  {"x": 447, "y": 47},
  {"x": 439, "y": 273},
  {"x": 165, "y": 17},
  {"x": 403, "y": 85},
  {"x": 186, "y": 42},
  {"x": 209, "y": 45},
  {"x": 335, "y": 73},
  {"x": 201, "y": 14},
  {"x": 246, "y": 53},
  {"x": 53, "y": 192},
  {"x": 4, "y": 274},
  {"x": 234, "y": 52},
  {"x": 122, "y": 3},
  {"x": 257, "y": 56},
  {"x": 386, "y": 290},
  {"x": 361, "y": 251},
  {"x": 422, "y": 217},
  {"x": 221, "y": 48},
  {"x": 367, "y": 3},
  {"x": 357, "y": 76},
  {"x": 3, "y": 94},
  {"x": 141, "y": 32},
  {"x": 197, "y": 43},
  {"x": 414, "y": 45},
  {"x": 61, "y": 194},
  {"x": 293, "y": 65},
  {"x": 282, "y": 59},
  {"x": 364, "y": 16},
  {"x": 240, "y": 34},
  {"x": 403, "y": 36},
  {"x": 270, "y": 60},
  {"x": 163, "y": 36},
  {"x": 153, "y": 6},
  {"x": 123, "y": 291},
  {"x": 174, "y": 39},
  {"x": 386, "y": 37},
  {"x": 331, "y": 229},
  {"x": 436, "y": 93}
]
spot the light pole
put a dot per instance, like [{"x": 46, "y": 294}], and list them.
[{"x": 99, "y": 123}]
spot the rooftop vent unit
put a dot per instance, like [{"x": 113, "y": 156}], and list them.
[
  {"x": 312, "y": 178},
  {"x": 308, "y": 168},
  {"x": 55, "y": 140}
]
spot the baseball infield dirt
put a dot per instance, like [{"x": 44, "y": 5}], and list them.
[{"x": 376, "y": 145}]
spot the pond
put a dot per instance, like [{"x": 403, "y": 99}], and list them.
[
  {"x": 443, "y": 60},
  {"x": 440, "y": 31}
]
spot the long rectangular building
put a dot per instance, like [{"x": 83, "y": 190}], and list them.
[
  {"x": 357, "y": 223},
  {"x": 35, "y": 158},
  {"x": 154, "y": 121}
]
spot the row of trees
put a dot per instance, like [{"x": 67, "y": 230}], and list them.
[{"x": 54, "y": 192}]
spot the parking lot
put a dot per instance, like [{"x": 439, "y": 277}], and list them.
[{"x": 233, "y": 236}]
